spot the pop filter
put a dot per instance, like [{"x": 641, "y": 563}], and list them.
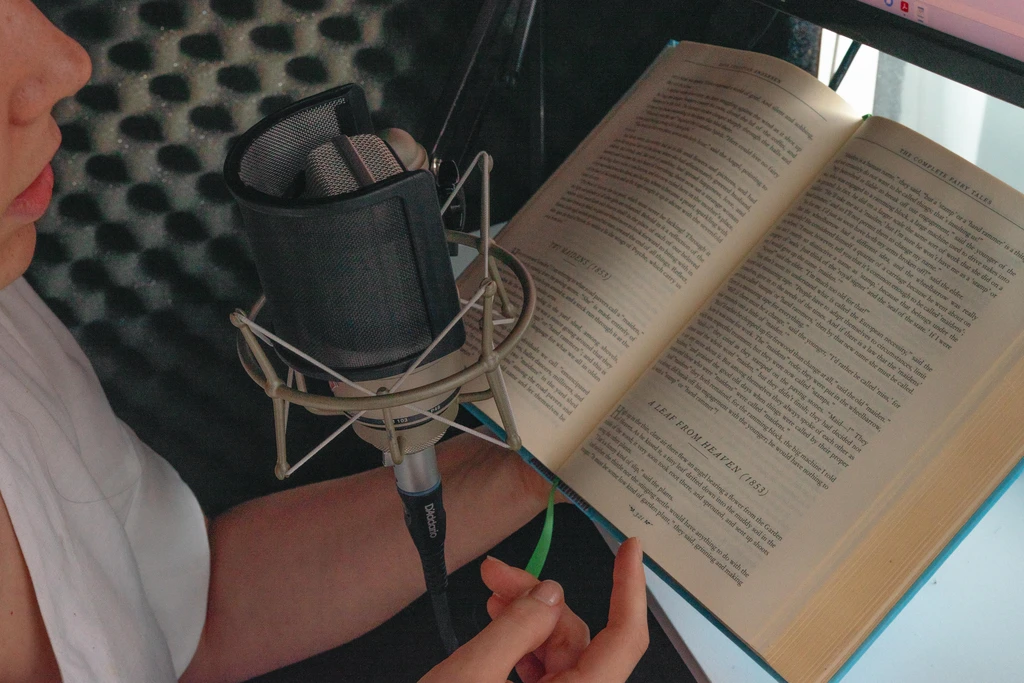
[{"x": 381, "y": 246}]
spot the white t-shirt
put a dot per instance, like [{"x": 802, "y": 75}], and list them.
[{"x": 115, "y": 542}]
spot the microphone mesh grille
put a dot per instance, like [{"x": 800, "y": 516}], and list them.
[
  {"x": 271, "y": 162},
  {"x": 328, "y": 175},
  {"x": 377, "y": 155}
]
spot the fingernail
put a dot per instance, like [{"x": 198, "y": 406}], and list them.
[
  {"x": 548, "y": 592},
  {"x": 494, "y": 559},
  {"x": 639, "y": 550}
]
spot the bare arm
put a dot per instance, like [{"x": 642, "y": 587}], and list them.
[
  {"x": 25, "y": 652},
  {"x": 307, "y": 569}
]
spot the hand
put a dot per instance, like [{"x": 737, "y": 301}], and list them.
[{"x": 535, "y": 632}]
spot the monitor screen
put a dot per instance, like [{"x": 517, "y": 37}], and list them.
[
  {"x": 979, "y": 43},
  {"x": 994, "y": 24}
]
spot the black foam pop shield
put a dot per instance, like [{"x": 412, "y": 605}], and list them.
[{"x": 360, "y": 281}]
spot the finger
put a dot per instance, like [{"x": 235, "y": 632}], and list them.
[
  {"x": 505, "y": 581},
  {"x": 496, "y": 605},
  {"x": 629, "y": 589},
  {"x": 530, "y": 669},
  {"x": 520, "y": 629},
  {"x": 615, "y": 651},
  {"x": 566, "y": 645},
  {"x": 570, "y": 637}
]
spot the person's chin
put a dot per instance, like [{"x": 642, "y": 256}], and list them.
[{"x": 17, "y": 245}]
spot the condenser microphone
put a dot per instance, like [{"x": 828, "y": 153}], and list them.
[
  {"x": 351, "y": 252},
  {"x": 352, "y": 256}
]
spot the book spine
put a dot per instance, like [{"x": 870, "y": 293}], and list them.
[{"x": 576, "y": 498}]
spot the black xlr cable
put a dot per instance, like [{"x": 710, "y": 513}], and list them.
[{"x": 419, "y": 485}]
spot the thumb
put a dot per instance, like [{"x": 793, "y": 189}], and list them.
[{"x": 520, "y": 629}]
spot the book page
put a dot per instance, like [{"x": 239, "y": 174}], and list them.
[
  {"x": 795, "y": 406},
  {"x": 641, "y": 224}
]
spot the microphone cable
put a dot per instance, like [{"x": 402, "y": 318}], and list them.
[
  {"x": 419, "y": 486},
  {"x": 426, "y": 520}
]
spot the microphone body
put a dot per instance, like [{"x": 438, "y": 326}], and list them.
[{"x": 351, "y": 252}]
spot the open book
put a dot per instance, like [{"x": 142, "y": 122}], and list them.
[{"x": 781, "y": 344}]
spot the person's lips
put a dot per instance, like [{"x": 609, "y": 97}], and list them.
[{"x": 30, "y": 205}]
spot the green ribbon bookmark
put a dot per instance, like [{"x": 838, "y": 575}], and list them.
[{"x": 540, "y": 553}]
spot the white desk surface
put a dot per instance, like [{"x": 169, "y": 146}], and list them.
[{"x": 965, "y": 626}]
